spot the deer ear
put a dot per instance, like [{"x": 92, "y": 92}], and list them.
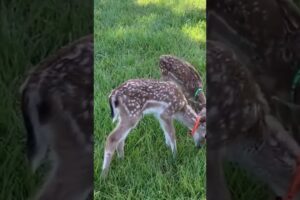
[{"x": 291, "y": 14}]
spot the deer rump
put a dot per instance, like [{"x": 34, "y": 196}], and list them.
[{"x": 113, "y": 103}]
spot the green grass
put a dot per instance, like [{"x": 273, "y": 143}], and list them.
[
  {"x": 29, "y": 31},
  {"x": 129, "y": 38},
  {"x": 244, "y": 186},
  {"x": 130, "y": 35}
]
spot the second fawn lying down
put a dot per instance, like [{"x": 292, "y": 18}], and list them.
[
  {"x": 241, "y": 128},
  {"x": 134, "y": 98}
]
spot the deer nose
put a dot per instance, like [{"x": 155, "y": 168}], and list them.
[{"x": 200, "y": 144}]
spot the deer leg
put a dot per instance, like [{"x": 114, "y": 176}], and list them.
[
  {"x": 120, "y": 149},
  {"x": 70, "y": 177},
  {"x": 215, "y": 176},
  {"x": 68, "y": 181},
  {"x": 114, "y": 139},
  {"x": 161, "y": 122},
  {"x": 72, "y": 187},
  {"x": 37, "y": 142},
  {"x": 166, "y": 124}
]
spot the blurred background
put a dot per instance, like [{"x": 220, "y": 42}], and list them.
[{"x": 30, "y": 30}]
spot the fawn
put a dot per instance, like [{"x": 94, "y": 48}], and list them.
[
  {"x": 241, "y": 128},
  {"x": 265, "y": 36},
  {"x": 136, "y": 97},
  {"x": 186, "y": 77},
  {"x": 57, "y": 107}
]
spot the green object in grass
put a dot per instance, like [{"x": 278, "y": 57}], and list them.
[{"x": 198, "y": 92}]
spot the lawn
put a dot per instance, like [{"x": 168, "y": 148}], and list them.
[
  {"x": 130, "y": 35},
  {"x": 30, "y": 30},
  {"x": 129, "y": 38}
]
